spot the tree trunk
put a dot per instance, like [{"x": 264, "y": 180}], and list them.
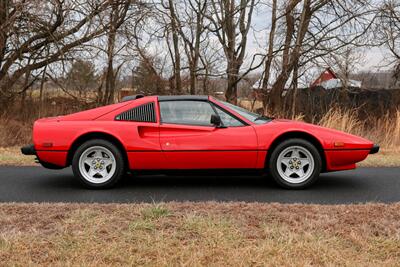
[
  {"x": 290, "y": 59},
  {"x": 100, "y": 92},
  {"x": 110, "y": 75},
  {"x": 110, "y": 82},
  {"x": 177, "y": 56},
  {"x": 231, "y": 90},
  {"x": 42, "y": 82},
  {"x": 192, "y": 82},
  {"x": 196, "y": 57},
  {"x": 205, "y": 82},
  {"x": 4, "y": 10},
  {"x": 268, "y": 62},
  {"x": 294, "y": 88},
  {"x": 117, "y": 18},
  {"x": 23, "y": 94}
]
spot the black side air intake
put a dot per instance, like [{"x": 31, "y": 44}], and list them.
[{"x": 143, "y": 113}]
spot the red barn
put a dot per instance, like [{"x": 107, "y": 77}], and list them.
[{"x": 327, "y": 75}]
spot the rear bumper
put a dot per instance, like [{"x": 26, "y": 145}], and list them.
[
  {"x": 374, "y": 149},
  {"x": 49, "y": 159},
  {"x": 28, "y": 150}
]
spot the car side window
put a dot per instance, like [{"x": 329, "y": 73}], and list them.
[
  {"x": 186, "y": 112},
  {"x": 227, "y": 119}
]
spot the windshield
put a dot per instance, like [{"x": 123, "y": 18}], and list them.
[{"x": 253, "y": 117}]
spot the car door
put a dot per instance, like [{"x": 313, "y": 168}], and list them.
[{"x": 189, "y": 141}]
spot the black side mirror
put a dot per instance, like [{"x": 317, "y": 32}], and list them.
[{"x": 216, "y": 120}]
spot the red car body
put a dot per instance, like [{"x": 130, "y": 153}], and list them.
[{"x": 163, "y": 146}]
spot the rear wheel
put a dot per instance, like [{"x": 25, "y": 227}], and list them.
[
  {"x": 295, "y": 164},
  {"x": 98, "y": 164}
]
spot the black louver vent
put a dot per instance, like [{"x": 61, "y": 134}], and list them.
[{"x": 143, "y": 113}]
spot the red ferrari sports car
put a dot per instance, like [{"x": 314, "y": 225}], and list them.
[{"x": 190, "y": 133}]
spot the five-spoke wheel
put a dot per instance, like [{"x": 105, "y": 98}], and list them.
[
  {"x": 295, "y": 163},
  {"x": 98, "y": 164}
]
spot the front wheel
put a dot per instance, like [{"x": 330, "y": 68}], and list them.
[
  {"x": 98, "y": 164},
  {"x": 295, "y": 164}
]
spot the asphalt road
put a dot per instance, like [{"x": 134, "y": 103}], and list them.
[{"x": 36, "y": 184}]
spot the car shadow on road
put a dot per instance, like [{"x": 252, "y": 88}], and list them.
[{"x": 333, "y": 182}]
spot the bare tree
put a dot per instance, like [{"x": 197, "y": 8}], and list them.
[
  {"x": 312, "y": 30},
  {"x": 167, "y": 8},
  {"x": 346, "y": 64},
  {"x": 388, "y": 30},
  {"x": 271, "y": 42},
  {"x": 191, "y": 29},
  {"x": 231, "y": 23},
  {"x": 211, "y": 65},
  {"x": 35, "y": 34},
  {"x": 148, "y": 73},
  {"x": 118, "y": 15}
]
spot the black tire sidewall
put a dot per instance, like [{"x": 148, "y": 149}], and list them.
[
  {"x": 272, "y": 168},
  {"x": 120, "y": 165}
]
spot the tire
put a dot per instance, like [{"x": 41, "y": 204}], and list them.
[
  {"x": 299, "y": 164},
  {"x": 98, "y": 164}
]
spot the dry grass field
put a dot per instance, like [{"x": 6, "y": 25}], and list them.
[
  {"x": 203, "y": 234},
  {"x": 383, "y": 130},
  {"x": 12, "y": 156},
  {"x": 385, "y": 158}
]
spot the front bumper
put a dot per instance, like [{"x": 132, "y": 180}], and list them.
[
  {"x": 374, "y": 149},
  {"x": 28, "y": 150}
]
